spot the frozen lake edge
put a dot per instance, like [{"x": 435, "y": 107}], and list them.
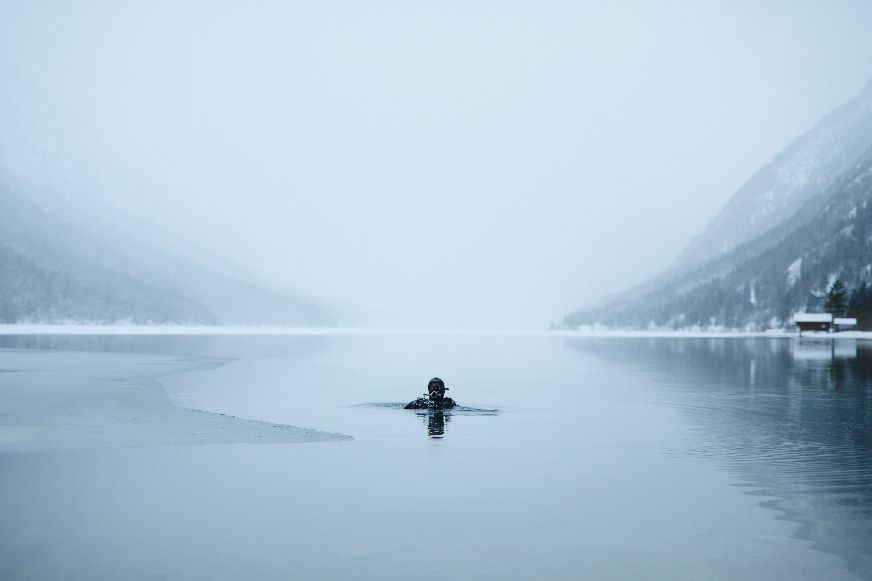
[{"x": 60, "y": 401}]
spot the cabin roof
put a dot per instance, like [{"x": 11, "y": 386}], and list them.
[
  {"x": 813, "y": 318},
  {"x": 844, "y": 321}
]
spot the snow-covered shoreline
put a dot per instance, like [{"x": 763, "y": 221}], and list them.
[{"x": 181, "y": 330}]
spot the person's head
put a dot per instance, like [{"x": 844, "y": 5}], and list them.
[{"x": 436, "y": 386}]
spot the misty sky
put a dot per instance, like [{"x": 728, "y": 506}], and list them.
[{"x": 462, "y": 163}]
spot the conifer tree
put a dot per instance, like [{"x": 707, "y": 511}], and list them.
[
  {"x": 860, "y": 306},
  {"x": 837, "y": 299}
]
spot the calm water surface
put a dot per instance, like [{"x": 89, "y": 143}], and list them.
[{"x": 600, "y": 459}]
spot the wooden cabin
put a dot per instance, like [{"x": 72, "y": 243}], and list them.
[
  {"x": 813, "y": 321},
  {"x": 844, "y": 323}
]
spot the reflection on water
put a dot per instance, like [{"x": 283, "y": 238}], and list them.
[
  {"x": 434, "y": 419},
  {"x": 793, "y": 418},
  {"x": 229, "y": 346},
  {"x": 172, "y": 344},
  {"x": 824, "y": 349},
  {"x": 607, "y": 459},
  {"x": 436, "y": 423}
]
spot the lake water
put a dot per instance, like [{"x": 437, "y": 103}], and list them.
[{"x": 580, "y": 458}]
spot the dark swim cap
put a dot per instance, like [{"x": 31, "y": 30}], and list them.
[{"x": 438, "y": 382}]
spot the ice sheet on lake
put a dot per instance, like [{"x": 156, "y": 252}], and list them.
[{"x": 53, "y": 401}]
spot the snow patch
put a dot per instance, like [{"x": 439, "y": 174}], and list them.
[
  {"x": 863, "y": 176},
  {"x": 794, "y": 272}
]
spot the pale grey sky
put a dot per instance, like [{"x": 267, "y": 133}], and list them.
[{"x": 468, "y": 163}]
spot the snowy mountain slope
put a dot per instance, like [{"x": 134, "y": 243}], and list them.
[
  {"x": 52, "y": 161},
  {"x": 762, "y": 283},
  {"x": 52, "y": 269},
  {"x": 804, "y": 169},
  {"x": 51, "y": 272},
  {"x": 774, "y": 200}
]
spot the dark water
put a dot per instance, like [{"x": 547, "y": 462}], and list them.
[
  {"x": 792, "y": 419},
  {"x": 571, "y": 458}
]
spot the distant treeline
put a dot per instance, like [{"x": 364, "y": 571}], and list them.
[
  {"x": 859, "y": 305},
  {"x": 30, "y": 292}
]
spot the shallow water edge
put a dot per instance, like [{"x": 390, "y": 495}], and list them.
[{"x": 58, "y": 400}]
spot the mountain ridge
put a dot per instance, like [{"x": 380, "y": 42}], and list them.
[
  {"x": 785, "y": 194},
  {"x": 799, "y": 172},
  {"x": 54, "y": 271},
  {"x": 761, "y": 283}
]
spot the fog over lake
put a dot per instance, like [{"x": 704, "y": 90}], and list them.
[
  {"x": 401, "y": 290},
  {"x": 452, "y": 164}
]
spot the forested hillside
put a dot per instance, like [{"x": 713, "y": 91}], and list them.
[
  {"x": 798, "y": 225},
  {"x": 762, "y": 283},
  {"x": 50, "y": 271},
  {"x": 802, "y": 171},
  {"x": 54, "y": 270}
]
